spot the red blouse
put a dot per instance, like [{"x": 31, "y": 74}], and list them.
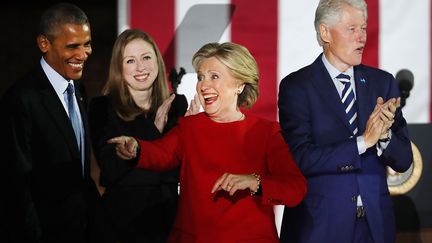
[{"x": 205, "y": 150}]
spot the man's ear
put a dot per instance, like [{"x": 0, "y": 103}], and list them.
[
  {"x": 325, "y": 33},
  {"x": 43, "y": 43}
]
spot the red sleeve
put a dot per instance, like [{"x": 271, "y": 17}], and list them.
[
  {"x": 161, "y": 154},
  {"x": 284, "y": 184}
]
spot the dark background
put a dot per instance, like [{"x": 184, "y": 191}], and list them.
[
  {"x": 19, "y": 52},
  {"x": 413, "y": 210}
]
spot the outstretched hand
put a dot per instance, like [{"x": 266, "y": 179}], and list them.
[{"x": 126, "y": 147}]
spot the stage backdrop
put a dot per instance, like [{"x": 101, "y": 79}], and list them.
[{"x": 281, "y": 36}]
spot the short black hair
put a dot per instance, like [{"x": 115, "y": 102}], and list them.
[{"x": 58, "y": 15}]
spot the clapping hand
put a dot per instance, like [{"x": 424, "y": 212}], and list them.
[
  {"x": 388, "y": 112},
  {"x": 161, "y": 118},
  {"x": 194, "y": 106},
  {"x": 374, "y": 127},
  {"x": 381, "y": 120}
]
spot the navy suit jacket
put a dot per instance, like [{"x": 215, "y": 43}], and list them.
[{"x": 315, "y": 126}]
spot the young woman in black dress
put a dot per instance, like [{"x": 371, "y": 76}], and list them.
[{"x": 140, "y": 204}]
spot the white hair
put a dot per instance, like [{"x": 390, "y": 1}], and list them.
[{"x": 329, "y": 12}]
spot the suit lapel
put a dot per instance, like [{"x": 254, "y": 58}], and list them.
[
  {"x": 57, "y": 112},
  {"x": 327, "y": 90},
  {"x": 362, "y": 94}
]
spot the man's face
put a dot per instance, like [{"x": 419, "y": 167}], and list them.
[
  {"x": 68, "y": 50},
  {"x": 345, "y": 40}
]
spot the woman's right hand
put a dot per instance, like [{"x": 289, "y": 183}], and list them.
[
  {"x": 126, "y": 147},
  {"x": 194, "y": 106},
  {"x": 161, "y": 118}
]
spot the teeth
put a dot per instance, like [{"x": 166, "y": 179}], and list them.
[
  {"x": 76, "y": 65},
  {"x": 209, "y": 96},
  {"x": 142, "y": 76}
]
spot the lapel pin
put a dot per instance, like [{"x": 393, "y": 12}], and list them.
[{"x": 363, "y": 80}]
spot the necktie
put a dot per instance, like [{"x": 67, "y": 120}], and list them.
[
  {"x": 348, "y": 100},
  {"x": 73, "y": 116}
]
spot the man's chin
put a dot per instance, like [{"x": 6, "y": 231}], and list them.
[
  {"x": 356, "y": 62},
  {"x": 75, "y": 76}
]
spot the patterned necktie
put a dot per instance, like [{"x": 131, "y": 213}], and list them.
[
  {"x": 73, "y": 116},
  {"x": 348, "y": 100}
]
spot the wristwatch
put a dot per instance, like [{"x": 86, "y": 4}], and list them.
[{"x": 386, "y": 139}]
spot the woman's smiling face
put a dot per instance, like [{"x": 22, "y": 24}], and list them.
[
  {"x": 140, "y": 67},
  {"x": 217, "y": 89}
]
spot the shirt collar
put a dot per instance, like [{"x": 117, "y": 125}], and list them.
[
  {"x": 333, "y": 71},
  {"x": 57, "y": 81}
]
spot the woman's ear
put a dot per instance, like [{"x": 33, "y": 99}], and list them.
[{"x": 241, "y": 88}]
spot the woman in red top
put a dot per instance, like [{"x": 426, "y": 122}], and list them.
[{"x": 234, "y": 168}]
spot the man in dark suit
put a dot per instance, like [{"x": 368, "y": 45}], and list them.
[
  {"x": 344, "y": 130},
  {"x": 46, "y": 159}
]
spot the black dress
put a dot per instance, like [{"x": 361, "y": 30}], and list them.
[{"x": 140, "y": 204}]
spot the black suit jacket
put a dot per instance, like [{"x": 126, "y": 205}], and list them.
[{"x": 47, "y": 193}]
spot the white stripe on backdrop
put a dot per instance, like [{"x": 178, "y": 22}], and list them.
[
  {"x": 184, "y": 59},
  {"x": 404, "y": 42}
]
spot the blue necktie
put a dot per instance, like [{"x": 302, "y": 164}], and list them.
[
  {"x": 73, "y": 116},
  {"x": 348, "y": 100}
]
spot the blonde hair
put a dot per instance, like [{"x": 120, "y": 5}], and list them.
[
  {"x": 241, "y": 64},
  {"x": 116, "y": 86}
]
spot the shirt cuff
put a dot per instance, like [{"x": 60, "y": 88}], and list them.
[{"x": 361, "y": 145}]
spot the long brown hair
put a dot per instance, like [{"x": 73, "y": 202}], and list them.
[{"x": 116, "y": 87}]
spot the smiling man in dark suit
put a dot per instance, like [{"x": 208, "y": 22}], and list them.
[
  {"x": 343, "y": 123},
  {"x": 46, "y": 162}
]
